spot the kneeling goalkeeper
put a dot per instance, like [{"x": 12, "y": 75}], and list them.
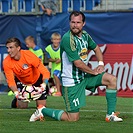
[{"x": 22, "y": 67}]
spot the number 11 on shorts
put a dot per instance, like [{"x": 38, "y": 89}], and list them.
[{"x": 76, "y": 102}]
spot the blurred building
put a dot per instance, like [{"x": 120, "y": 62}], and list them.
[{"x": 31, "y": 6}]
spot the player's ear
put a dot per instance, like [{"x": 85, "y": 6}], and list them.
[
  {"x": 19, "y": 48},
  {"x": 84, "y": 23}
]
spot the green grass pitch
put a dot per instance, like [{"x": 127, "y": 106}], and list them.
[{"x": 91, "y": 117}]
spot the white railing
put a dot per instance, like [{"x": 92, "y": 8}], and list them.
[
  {"x": 21, "y": 6},
  {"x": 14, "y": 6},
  {"x": 115, "y": 5}
]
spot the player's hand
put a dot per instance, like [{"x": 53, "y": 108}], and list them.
[
  {"x": 100, "y": 68},
  {"x": 22, "y": 98},
  {"x": 16, "y": 93},
  {"x": 58, "y": 61}
]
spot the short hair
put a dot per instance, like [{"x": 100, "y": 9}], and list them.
[
  {"x": 15, "y": 40},
  {"x": 77, "y": 13},
  {"x": 55, "y": 35},
  {"x": 30, "y": 38}
]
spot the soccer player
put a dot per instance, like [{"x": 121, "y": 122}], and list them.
[
  {"x": 22, "y": 67},
  {"x": 77, "y": 75},
  {"x": 30, "y": 43},
  {"x": 53, "y": 55}
]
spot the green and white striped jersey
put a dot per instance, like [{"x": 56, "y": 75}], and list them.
[{"x": 74, "y": 48}]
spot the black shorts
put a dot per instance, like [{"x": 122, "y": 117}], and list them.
[{"x": 20, "y": 86}]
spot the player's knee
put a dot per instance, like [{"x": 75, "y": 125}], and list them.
[
  {"x": 113, "y": 81},
  {"x": 70, "y": 116},
  {"x": 73, "y": 117},
  {"x": 22, "y": 105}
]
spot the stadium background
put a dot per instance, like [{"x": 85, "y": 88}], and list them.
[{"x": 111, "y": 28}]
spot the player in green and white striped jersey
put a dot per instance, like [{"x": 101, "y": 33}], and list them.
[
  {"x": 77, "y": 75},
  {"x": 74, "y": 48}
]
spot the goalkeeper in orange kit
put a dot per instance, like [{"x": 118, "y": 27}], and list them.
[{"x": 22, "y": 67}]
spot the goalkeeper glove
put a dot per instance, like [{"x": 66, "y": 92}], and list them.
[
  {"x": 19, "y": 96},
  {"x": 37, "y": 93},
  {"x": 39, "y": 90}
]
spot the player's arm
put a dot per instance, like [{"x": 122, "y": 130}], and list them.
[
  {"x": 13, "y": 88},
  {"x": 99, "y": 57},
  {"x": 11, "y": 82},
  {"x": 73, "y": 56},
  {"x": 52, "y": 60},
  {"x": 49, "y": 57},
  {"x": 9, "y": 76},
  {"x": 83, "y": 67},
  {"x": 98, "y": 53}
]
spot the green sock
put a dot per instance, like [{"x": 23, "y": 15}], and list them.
[
  {"x": 53, "y": 113},
  {"x": 111, "y": 100}
]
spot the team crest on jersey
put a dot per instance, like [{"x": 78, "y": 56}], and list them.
[
  {"x": 25, "y": 66},
  {"x": 83, "y": 54}
]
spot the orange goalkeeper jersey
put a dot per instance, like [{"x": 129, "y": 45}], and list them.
[{"x": 27, "y": 69}]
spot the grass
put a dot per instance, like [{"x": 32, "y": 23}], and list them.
[{"x": 91, "y": 117}]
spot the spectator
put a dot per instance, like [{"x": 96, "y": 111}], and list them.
[
  {"x": 53, "y": 55},
  {"x": 48, "y": 6},
  {"x": 30, "y": 43}
]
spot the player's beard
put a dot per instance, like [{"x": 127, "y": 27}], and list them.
[{"x": 76, "y": 32}]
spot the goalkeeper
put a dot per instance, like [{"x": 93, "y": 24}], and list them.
[{"x": 22, "y": 67}]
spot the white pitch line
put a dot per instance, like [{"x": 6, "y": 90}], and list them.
[
  {"x": 82, "y": 110},
  {"x": 104, "y": 111}
]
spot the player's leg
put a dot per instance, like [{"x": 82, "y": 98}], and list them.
[
  {"x": 41, "y": 100},
  {"x": 55, "y": 114},
  {"x": 22, "y": 105},
  {"x": 70, "y": 116},
  {"x": 56, "y": 76},
  {"x": 74, "y": 98},
  {"x": 60, "y": 114},
  {"x": 111, "y": 92},
  {"x": 110, "y": 82}
]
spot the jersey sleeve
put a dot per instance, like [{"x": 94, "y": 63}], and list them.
[
  {"x": 7, "y": 66},
  {"x": 92, "y": 44}
]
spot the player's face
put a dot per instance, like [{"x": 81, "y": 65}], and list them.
[
  {"x": 12, "y": 50},
  {"x": 76, "y": 25}
]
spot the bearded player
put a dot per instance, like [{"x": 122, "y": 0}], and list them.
[{"x": 77, "y": 75}]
